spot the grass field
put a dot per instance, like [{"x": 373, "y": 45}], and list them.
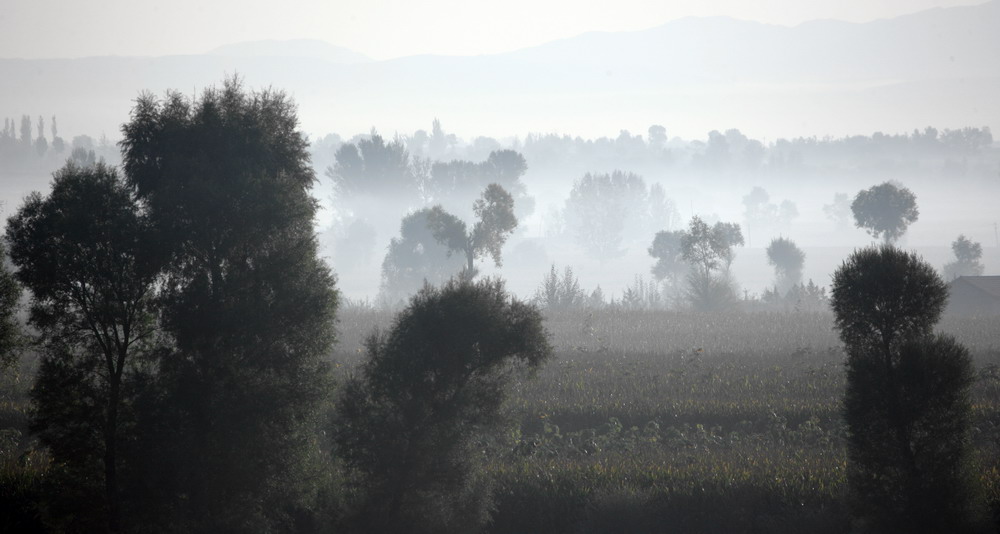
[
  {"x": 657, "y": 421},
  {"x": 663, "y": 421}
]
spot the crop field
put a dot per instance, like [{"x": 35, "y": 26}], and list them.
[{"x": 706, "y": 423}]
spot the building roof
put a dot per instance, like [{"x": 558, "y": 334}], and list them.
[{"x": 987, "y": 284}]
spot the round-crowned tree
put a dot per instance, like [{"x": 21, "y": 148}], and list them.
[
  {"x": 906, "y": 404},
  {"x": 883, "y": 295},
  {"x": 433, "y": 384},
  {"x": 885, "y": 211},
  {"x": 787, "y": 259},
  {"x": 967, "y": 256}
]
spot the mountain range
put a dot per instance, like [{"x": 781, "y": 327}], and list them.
[{"x": 938, "y": 67}]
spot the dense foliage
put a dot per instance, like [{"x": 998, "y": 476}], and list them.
[
  {"x": 89, "y": 258},
  {"x": 10, "y": 294},
  {"x": 885, "y": 211},
  {"x": 907, "y": 403},
  {"x": 496, "y": 221},
  {"x": 409, "y": 425},
  {"x": 247, "y": 303}
]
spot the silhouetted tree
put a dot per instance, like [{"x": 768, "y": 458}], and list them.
[
  {"x": 83, "y": 158},
  {"x": 248, "y": 303},
  {"x": 57, "y": 142},
  {"x": 375, "y": 168},
  {"x": 709, "y": 252},
  {"x": 416, "y": 257},
  {"x": 439, "y": 142},
  {"x": 10, "y": 331},
  {"x": 710, "y": 248},
  {"x": 669, "y": 256},
  {"x": 495, "y": 211},
  {"x": 459, "y": 181},
  {"x": 87, "y": 256},
  {"x": 560, "y": 293},
  {"x": 906, "y": 405},
  {"x": 787, "y": 260},
  {"x": 41, "y": 144},
  {"x": 885, "y": 211},
  {"x": 967, "y": 256},
  {"x": 26, "y": 131},
  {"x": 598, "y": 208},
  {"x": 882, "y": 295},
  {"x": 909, "y": 453},
  {"x": 408, "y": 423},
  {"x": 657, "y": 136}
]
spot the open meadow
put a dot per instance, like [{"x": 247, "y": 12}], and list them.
[{"x": 707, "y": 423}]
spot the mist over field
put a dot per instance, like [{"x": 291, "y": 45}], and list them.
[
  {"x": 805, "y": 112},
  {"x": 703, "y": 265}
]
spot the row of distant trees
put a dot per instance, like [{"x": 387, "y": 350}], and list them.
[
  {"x": 22, "y": 142},
  {"x": 692, "y": 263},
  {"x": 718, "y": 151}
]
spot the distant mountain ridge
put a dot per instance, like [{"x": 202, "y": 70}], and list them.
[
  {"x": 302, "y": 48},
  {"x": 937, "y": 67}
]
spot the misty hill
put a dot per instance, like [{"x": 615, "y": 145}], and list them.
[
  {"x": 298, "y": 48},
  {"x": 692, "y": 75},
  {"x": 937, "y": 43}
]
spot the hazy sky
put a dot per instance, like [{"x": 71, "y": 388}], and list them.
[{"x": 381, "y": 29}]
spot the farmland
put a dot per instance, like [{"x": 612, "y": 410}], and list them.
[{"x": 710, "y": 423}]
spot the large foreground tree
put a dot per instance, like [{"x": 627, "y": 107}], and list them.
[
  {"x": 907, "y": 402},
  {"x": 89, "y": 258},
  {"x": 10, "y": 331},
  {"x": 249, "y": 305},
  {"x": 431, "y": 386}
]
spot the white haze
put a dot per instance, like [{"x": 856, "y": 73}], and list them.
[{"x": 770, "y": 77}]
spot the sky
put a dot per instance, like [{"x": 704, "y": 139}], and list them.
[{"x": 381, "y": 29}]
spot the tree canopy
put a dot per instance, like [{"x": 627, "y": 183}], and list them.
[
  {"x": 10, "y": 331},
  {"x": 373, "y": 167},
  {"x": 907, "y": 401},
  {"x": 883, "y": 295},
  {"x": 90, "y": 260},
  {"x": 495, "y": 211},
  {"x": 666, "y": 248},
  {"x": 885, "y": 211},
  {"x": 430, "y": 386},
  {"x": 967, "y": 256},
  {"x": 710, "y": 248},
  {"x": 787, "y": 259},
  {"x": 415, "y": 257},
  {"x": 248, "y": 303}
]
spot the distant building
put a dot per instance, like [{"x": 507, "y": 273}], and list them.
[{"x": 974, "y": 295}]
